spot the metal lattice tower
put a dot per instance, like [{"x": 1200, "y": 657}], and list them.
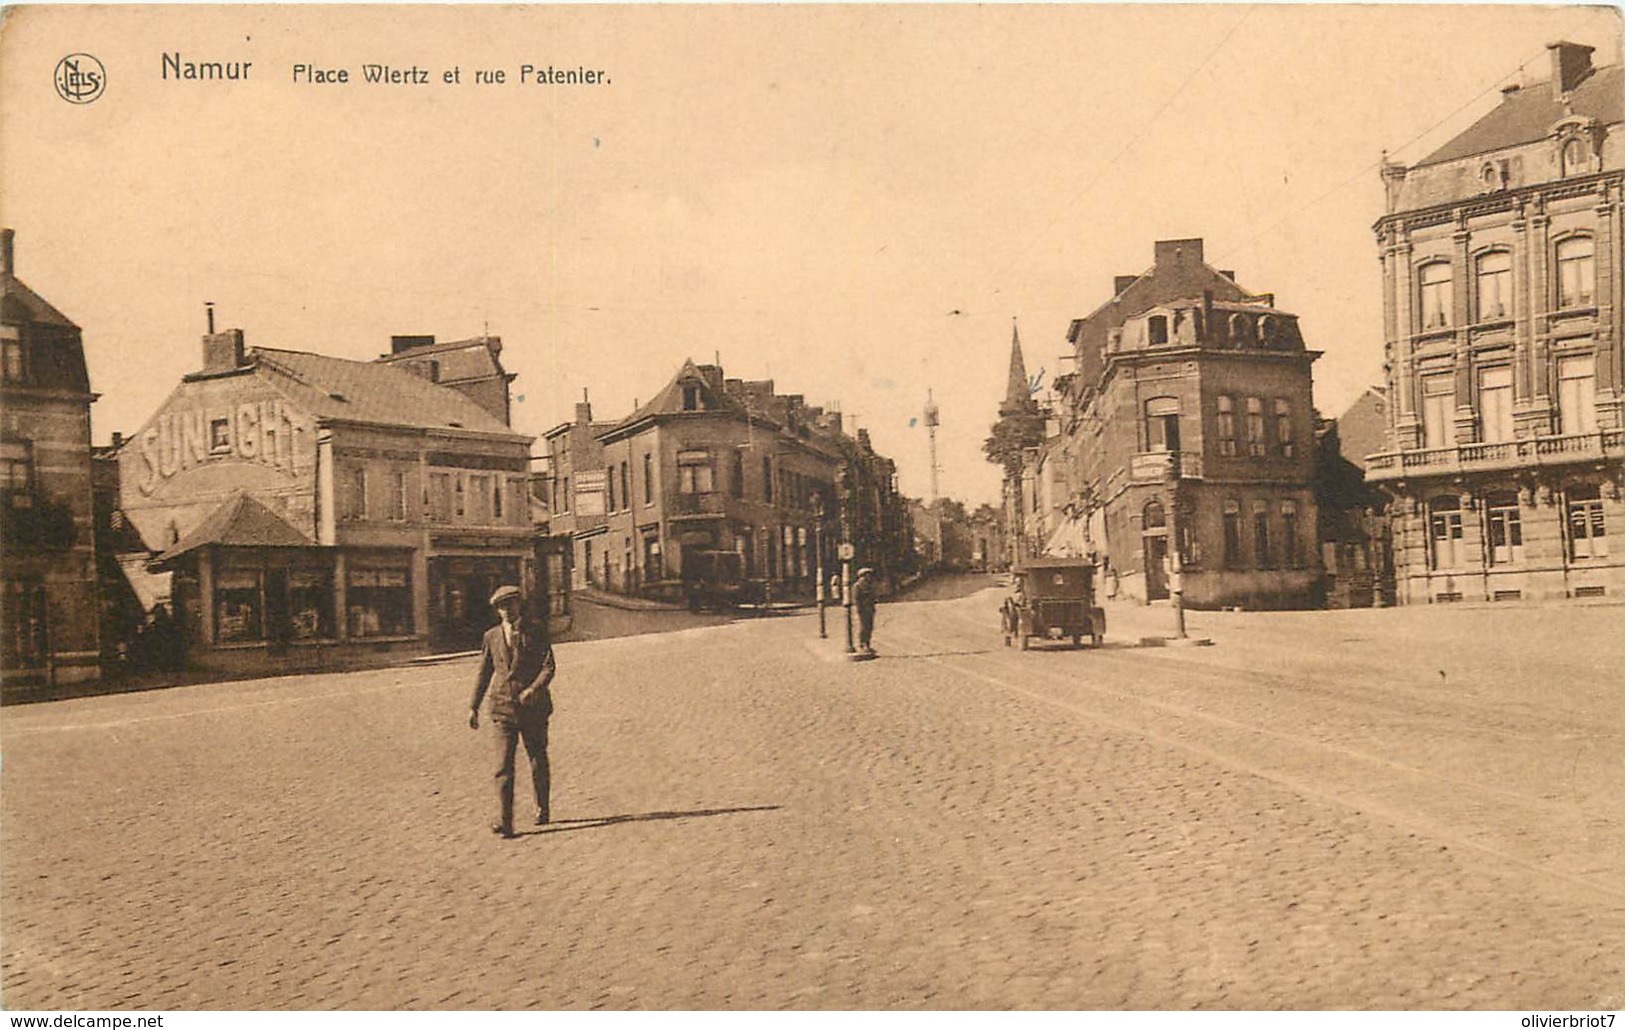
[{"x": 931, "y": 420}]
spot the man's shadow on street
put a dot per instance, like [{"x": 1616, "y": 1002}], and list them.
[{"x": 567, "y": 825}]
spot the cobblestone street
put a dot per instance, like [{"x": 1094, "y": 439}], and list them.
[{"x": 1302, "y": 816}]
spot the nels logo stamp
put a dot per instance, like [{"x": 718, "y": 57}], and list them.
[{"x": 80, "y": 78}]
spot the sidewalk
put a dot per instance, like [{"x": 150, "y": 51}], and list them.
[{"x": 603, "y": 598}]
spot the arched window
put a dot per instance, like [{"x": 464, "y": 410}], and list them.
[
  {"x": 1435, "y": 294},
  {"x": 1162, "y": 424},
  {"x": 1155, "y": 517},
  {"x": 1241, "y": 330},
  {"x": 1494, "y": 282},
  {"x": 1576, "y": 273}
]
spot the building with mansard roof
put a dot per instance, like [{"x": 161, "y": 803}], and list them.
[
  {"x": 47, "y": 537},
  {"x": 1502, "y": 288},
  {"x": 316, "y": 512},
  {"x": 1191, "y": 418}
]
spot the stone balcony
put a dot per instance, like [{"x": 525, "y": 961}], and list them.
[{"x": 1607, "y": 444}]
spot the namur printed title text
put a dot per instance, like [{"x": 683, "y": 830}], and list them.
[{"x": 180, "y": 67}]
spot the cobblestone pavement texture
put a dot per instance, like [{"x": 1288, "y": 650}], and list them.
[{"x": 1385, "y": 809}]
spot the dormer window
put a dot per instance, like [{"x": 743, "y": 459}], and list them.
[
  {"x": 1241, "y": 330},
  {"x": 15, "y": 369},
  {"x": 691, "y": 397},
  {"x": 1157, "y": 329},
  {"x": 1576, "y": 160}
]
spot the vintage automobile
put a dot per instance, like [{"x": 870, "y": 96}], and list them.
[
  {"x": 1052, "y": 599},
  {"x": 716, "y": 580}
]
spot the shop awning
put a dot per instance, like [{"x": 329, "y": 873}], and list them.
[{"x": 242, "y": 521}]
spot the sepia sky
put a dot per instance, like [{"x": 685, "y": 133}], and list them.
[{"x": 853, "y": 201}]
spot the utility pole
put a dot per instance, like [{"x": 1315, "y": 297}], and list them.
[{"x": 843, "y": 486}]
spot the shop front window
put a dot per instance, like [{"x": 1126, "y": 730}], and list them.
[
  {"x": 379, "y": 602},
  {"x": 239, "y": 604},
  {"x": 310, "y": 604}
]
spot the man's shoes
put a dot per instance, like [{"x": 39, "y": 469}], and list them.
[
  {"x": 542, "y": 819},
  {"x": 505, "y": 832}
]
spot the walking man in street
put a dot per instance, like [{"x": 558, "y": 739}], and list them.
[
  {"x": 516, "y": 667},
  {"x": 864, "y": 598}
]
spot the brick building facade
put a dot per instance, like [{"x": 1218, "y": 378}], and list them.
[
  {"x": 1502, "y": 276},
  {"x": 1191, "y": 418},
  {"x": 47, "y": 533}
]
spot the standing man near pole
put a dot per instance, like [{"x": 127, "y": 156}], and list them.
[
  {"x": 864, "y": 598},
  {"x": 516, "y": 668}
]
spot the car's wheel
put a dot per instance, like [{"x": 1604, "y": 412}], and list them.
[
  {"x": 1077, "y": 640},
  {"x": 1097, "y": 639}
]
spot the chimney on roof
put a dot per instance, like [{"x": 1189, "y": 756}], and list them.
[
  {"x": 403, "y": 343},
  {"x": 7, "y": 255},
  {"x": 1121, "y": 283},
  {"x": 1178, "y": 252},
  {"x": 584, "y": 409},
  {"x": 222, "y": 352},
  {"x": 1571, "y": 63}
]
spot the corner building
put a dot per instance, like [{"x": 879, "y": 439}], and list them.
[
  {"x": 318, "y": 512},
  {"x": 1501, "y": 264},
  {"x": 1191, "y": 418}
]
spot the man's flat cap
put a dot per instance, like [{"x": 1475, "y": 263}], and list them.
[{"x": 505, "y": 593}]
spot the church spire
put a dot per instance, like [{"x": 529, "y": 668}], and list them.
[{"x": 1018, "y": 397}]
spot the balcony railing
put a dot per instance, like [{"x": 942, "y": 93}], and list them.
[
  {"x": 1540, "y": 450},
  {"x": 1155, "y": 466}
]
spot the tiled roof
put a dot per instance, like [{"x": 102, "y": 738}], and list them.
[
  {"x": 35, "y": 307},
  {"x": 371, "y": 392},
  {"x": 669, "y": 401},
  {"x": 1529, "y": 114},
  {"x": 241, "y": 521}
]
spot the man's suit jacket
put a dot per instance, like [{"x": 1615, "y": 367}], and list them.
[{"x": 507, "y": 671}]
